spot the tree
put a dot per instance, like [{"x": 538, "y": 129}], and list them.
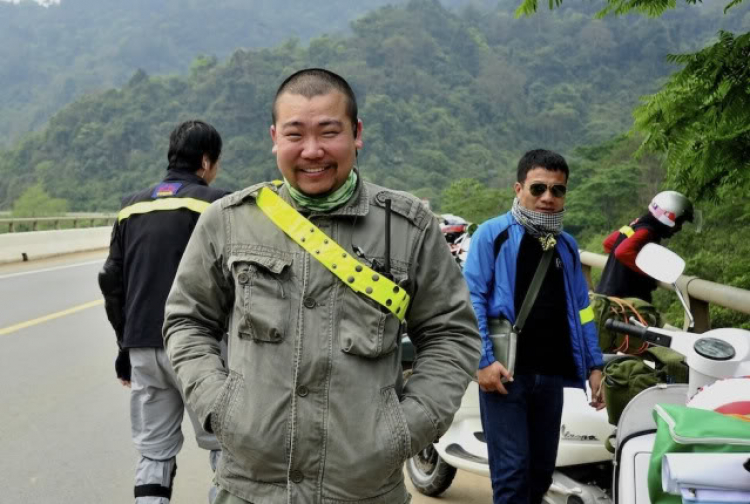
[
  {"x": 474, "y": 201},
  {"x": 701, "y": 119},
  {"x": 701, "y": 116},
  {"x": 36, "y": 202}
]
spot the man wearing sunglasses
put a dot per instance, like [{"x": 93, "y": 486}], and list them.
[{"x": 558, "y": 346}]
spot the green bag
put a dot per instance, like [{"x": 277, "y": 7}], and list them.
[
  {"x": 625, "y": 377},
  {"x": 606, "y": 307},
  {"x": 682, "y": 429},
  {"x": 622, "y": 379}
]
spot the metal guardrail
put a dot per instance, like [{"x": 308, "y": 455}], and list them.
[
  {"x": 102, "y": 219},
  {"x": 698, "y": 293}
]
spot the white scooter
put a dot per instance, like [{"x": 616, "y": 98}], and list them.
[
  {"x": 717, "y": 354},
  {"x": 585, "y": 469}
]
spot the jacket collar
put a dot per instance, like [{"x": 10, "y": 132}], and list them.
[{"x": 183, "y": 176}]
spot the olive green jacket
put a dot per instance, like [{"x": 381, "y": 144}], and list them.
[{"x": 311, "y": 407}]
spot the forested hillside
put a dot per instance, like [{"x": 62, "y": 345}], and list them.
[
  {"x": 442, "y": 95},
  {"x": 449, "y": 99},
  {"x": 51, "y": 55}
]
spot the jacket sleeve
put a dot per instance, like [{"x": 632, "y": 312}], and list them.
[
  {"x": 609, "y": 241},
  {"x": 593, "y": 355},
  {"x": 442, "y": 325},
  {"x": 628, "y": 249},
  {"x": 196, "y": 313},
  {"x": 112, "y": 285},
  {"x": 479, "y": 272}
]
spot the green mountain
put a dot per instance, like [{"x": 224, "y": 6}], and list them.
[
  {"x": 443, "y": 96},
  {"x": 51, "y": 55}
]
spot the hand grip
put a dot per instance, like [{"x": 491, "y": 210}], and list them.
[
  {"x": 644, "y": 333},
  {"x": 622, "y": 327}
]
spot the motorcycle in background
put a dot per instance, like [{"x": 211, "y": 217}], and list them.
[
  {"x": 719, "y": 363},
  {"x": 455, "y": 229}
]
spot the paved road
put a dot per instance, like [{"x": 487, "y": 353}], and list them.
[{"x": 64, "y": 424}]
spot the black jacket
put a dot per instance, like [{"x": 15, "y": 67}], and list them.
[
  {"x": 620, "y": 277},
  {"x": 148, "y": 240}
]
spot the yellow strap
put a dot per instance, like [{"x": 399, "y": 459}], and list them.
[
  {"x": 587, "y": 315},
  {"x": 156, "y": 205},
  {"x": 627, "y": 231},
  {"x": 338, "y": 261}
]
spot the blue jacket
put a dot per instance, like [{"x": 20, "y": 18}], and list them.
[{"x": 490, "y": 271}]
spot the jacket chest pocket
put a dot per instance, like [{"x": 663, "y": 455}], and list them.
[
  {"x": 264, "y": 298},
  {"x": 365, "y": 328}
]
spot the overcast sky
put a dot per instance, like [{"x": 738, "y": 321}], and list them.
[{"x": 43, "y": 2}]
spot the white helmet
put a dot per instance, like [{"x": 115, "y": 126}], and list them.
[{"x": 671, "y": 208}]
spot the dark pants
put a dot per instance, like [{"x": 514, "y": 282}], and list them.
[{"x": 522, "y": 431}]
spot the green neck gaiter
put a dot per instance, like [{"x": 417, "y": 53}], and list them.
[{"x": 328, "y": 202}]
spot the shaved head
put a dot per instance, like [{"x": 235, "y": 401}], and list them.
[{"x": 312, "y": 82}]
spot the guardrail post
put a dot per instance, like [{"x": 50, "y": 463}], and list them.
[
  {"x": 587, "y": 273},
  {"x": 698, "y": 307},
  {"x": 57, "y": 224},
  {"x": 700, "y": 310},
  {"x": 33, "y": 225},
  {"x": 10, "y": 227}
]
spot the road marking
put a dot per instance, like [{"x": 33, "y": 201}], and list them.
[
  {"x": 45, "y": 270},
  {"x": 51, "y": 316}
]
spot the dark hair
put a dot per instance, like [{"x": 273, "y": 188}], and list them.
[
  {"x": 312, "y": 82},
  {"x": 540, "y": 158},
  {"x": 189, "y": 141}
]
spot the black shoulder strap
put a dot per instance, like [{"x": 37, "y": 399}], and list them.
[{"x": 536, "y": 284}]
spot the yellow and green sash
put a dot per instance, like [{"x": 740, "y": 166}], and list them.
[{"x": 338, "y": 261}]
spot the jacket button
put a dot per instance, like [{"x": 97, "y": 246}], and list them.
[
  {"x": 296, "y": 476},
  {"x": 302, "y": 391},
  {"x": 309, "y": 302},
  {"x": 243, "y": 278}
]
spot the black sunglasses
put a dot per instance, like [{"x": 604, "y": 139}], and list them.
[{"x": 557, "y": 190}]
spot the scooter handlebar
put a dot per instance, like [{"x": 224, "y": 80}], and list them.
[
  {"x": 644, "y": 333},
  {"x": 622, "y": 327}
]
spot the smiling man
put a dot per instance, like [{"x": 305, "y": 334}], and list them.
[
  {"x": 314, "y": 408},
  {"x": 315, "y": 140},
  {"x": 558, "y": 344}
]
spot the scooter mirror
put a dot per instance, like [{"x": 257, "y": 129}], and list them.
[{"x": 660, "y": 263}]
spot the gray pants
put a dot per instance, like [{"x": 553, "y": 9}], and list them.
[{"x": 156, "y": 412}]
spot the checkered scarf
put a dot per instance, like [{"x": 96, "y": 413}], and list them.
[{"x": 544, "y": 226}]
